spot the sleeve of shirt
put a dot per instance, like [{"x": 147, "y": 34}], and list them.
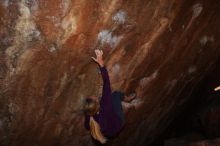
[{"x": 106, "y": 100}]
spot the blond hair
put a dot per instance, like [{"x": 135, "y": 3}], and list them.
[{"x": 96, "y": 131}]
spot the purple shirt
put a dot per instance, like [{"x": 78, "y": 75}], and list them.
[{"x": 108, "y": 120}]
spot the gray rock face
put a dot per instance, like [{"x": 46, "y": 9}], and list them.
[{"x": 160, "y": 49}]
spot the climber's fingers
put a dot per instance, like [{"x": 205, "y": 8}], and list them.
[
  {"x": 98, "y": 59},
  {"x": 93, "y": 58},
  {"x": 98, "y": 53}
]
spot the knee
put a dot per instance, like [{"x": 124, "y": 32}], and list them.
[{"x": 118, "y": 93}]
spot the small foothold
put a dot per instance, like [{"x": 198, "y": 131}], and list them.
[{"x": 130, "y": 97}]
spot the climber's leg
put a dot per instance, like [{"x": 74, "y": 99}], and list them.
[{"x": 117, "y": 98}]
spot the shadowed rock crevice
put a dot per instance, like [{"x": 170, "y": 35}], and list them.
[{"x": 198, "y": 121}]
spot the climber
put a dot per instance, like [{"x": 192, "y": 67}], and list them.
[{"x": 105, "y": 118}]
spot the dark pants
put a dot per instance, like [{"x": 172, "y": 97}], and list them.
[{"x": 117, "y": 97}]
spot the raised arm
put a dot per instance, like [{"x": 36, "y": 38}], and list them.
[{"x": 106, "y": 93}]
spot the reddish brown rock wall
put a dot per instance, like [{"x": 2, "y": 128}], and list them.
[{"x": 161, "y": 49}]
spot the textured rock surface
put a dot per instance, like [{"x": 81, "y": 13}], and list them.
[
  {"x": 161, "y": 49},
  {"x": 182, "y": 142},
  {"x": 215, "y": 142},
  {"x": 210, "y": 118}
]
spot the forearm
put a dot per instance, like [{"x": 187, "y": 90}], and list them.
[
  {"x": 106, "y": 92},
  {"x": 105, "y": 76}
]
